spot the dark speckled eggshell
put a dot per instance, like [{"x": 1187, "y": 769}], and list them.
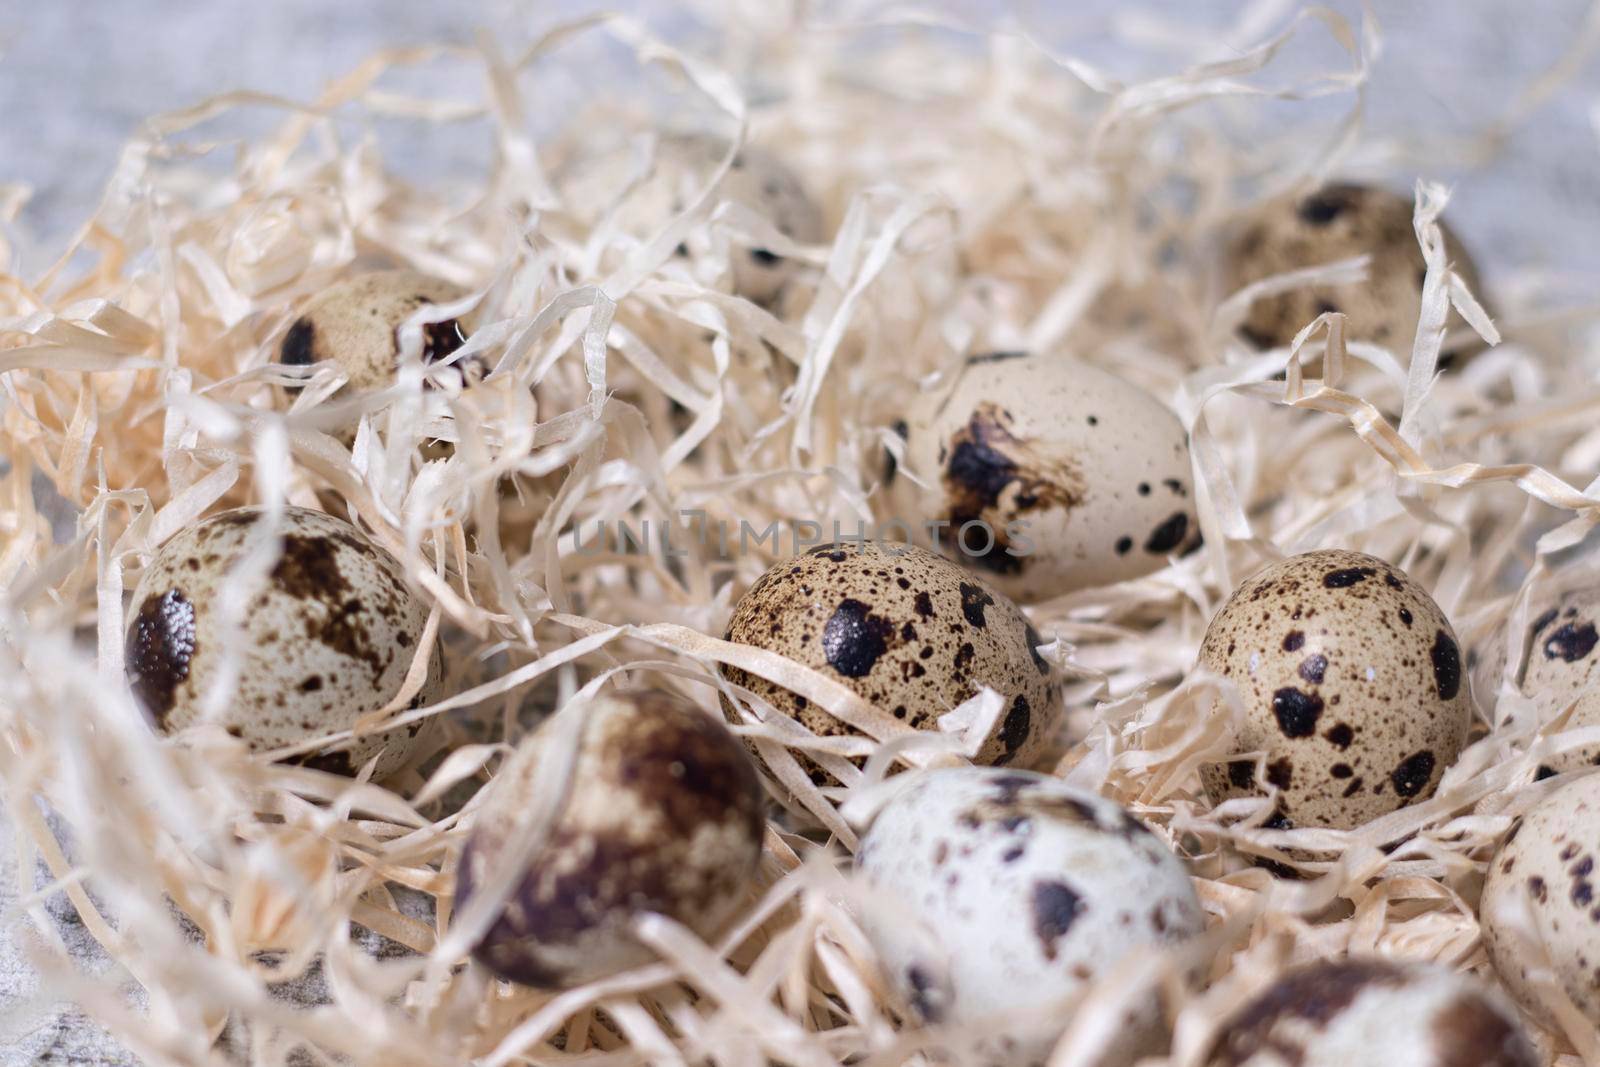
[
  {"x": 1341, "y": 221},
  {"x": 1373, "y": 1011},
  {"x": 328, "y": 638},
  {"x": 354, "y": 323},
  {"x": 1549, "y": 862},
  {"x": 665, "y": 815},
  {"x": 1081, "y": 478},
  {"x": 911, "y": 632},
  {"x": 1352, "y": 683}
]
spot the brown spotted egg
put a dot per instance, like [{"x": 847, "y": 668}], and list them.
[
  {"x": 1562, "y": 664},
  {"x": 906, "y": 629},
  {"x": 328, "y": 637},
  {"x": 757, "y": 179},
  {"x": 354, "y": 323},
  {"x": 1352, "y": 686},
  {"x": 1047, "y": 474},
  {"x": 1340, "y": 221},
  {"x": 1012, "y": 891},
  {"x": 1547, "y": 866},
  {"x": 664, "y": 815},
  {"x": 1356, "y": 1012}
]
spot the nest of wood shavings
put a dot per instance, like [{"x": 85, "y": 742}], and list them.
[{"x": 983, "y": 191}]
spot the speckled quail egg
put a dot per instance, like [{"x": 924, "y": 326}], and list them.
[
  {"x": 1341, "y": 221},
  {"x": 1352, "y": 686},
  {"x": 664, "y": 815},
  {"x": 1048, "y": 474},
  {"x": 1562, "y": 664},
  {"x": 1013, "y": 891},
  {"x": 757, "y": 179},
  {"x": 906, "y": 629},
  {"x": 1547, "y": 865},
  {"x": 328, "y": 637},
  {"x": 1356, "y": 1012},
  {"x": 354, "y": 323}
]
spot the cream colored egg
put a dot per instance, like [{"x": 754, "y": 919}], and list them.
[
  {"x": 1340, "y": 221},
  {"x": 1047, "y": 475},
  {"x": 664, "y": 815},
  {"x": 354, "y": 323},
  {"x": 680, "y": 168},
  {"x": 1374, "y": 1011},
  {"x": 328, "y": 637},
  {"x": 907, "y": 630},
  {"x": 1546, "y": 872},
  {"x": 1005, "y": 891},
  {"x": 1352, "y": 684}
]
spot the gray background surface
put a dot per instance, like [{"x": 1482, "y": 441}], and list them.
[{"x": 77, "y": 77}]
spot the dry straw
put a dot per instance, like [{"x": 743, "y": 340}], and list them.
[{"x": 984, "y": 191}]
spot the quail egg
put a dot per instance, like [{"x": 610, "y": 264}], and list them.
[
  {"x": 1341, "y": 221},
  {"x": 354, "y": 323},
  {"x": 1562, "y": 664},
  {"x": 906, "y": 629},
  {"x": 1047, "y": 474},
  {"x": 664, "y": 815},
  {"x": 757, "y": 179},
  {"x": 1355, "y": 1012},
  {"x": 328, "y": 637},
  {"x": 1012, "y": 891},
  {"x": 1548, "y": 861},
  {"x": 1352, "y": 685}
]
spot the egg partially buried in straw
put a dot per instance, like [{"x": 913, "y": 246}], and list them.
[
  {"x": 1374, "y": 1011},
  {"x": 355, "y": 322},
  {"x": 907, "y": 630},
  {"x": 1341, "y": 221},
  {"x": 1352, "y": 685},
  {"x": 663, "y": 814},
  {"x": 328, "y": 637},
  {"x": 1047, "y": 475},
  {"x": 1562, "y": 665},
  {"x": 681, "y": 166},
  {"x": 1012, "y": 891},
  {"x": 1546, "y": 871}
]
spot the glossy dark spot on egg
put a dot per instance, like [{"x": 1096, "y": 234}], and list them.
[
  {"x": 1413, "y": 773},
  {"x": 160, "y": 646},
  {"x": 854, "y": 638},
  {"x": 1446, "y": 665},
  {"x": 1296, "y": 711}
]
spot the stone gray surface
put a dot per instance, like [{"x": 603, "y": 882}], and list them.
[{"x": 76, "y": 78}]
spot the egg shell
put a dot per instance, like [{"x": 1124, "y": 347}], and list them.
[
  {"x": 1092, "y": 470},
  {"x": 906, "y": 629},
  {"x": 354, "y": 323},
  {"x": 1013, "y": 891},
  {"x": 1548, "y": 865},
  {"x": 328, "y": 638},
  {"x": 1370, "y": 1011},
  {"x": 1562, "y": 665},
  {"x": 682, "y": 165},
  {"x": 1352, "y": 684},
  {"x": 1341, "y": 221},
  {"x": 664, "y": 815}
]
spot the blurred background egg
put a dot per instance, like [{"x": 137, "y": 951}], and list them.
[
  {"x": 1340, "y": 221},
  {"x": 1373, "y": 1011},
  {"x": 664, "y": 814}
]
